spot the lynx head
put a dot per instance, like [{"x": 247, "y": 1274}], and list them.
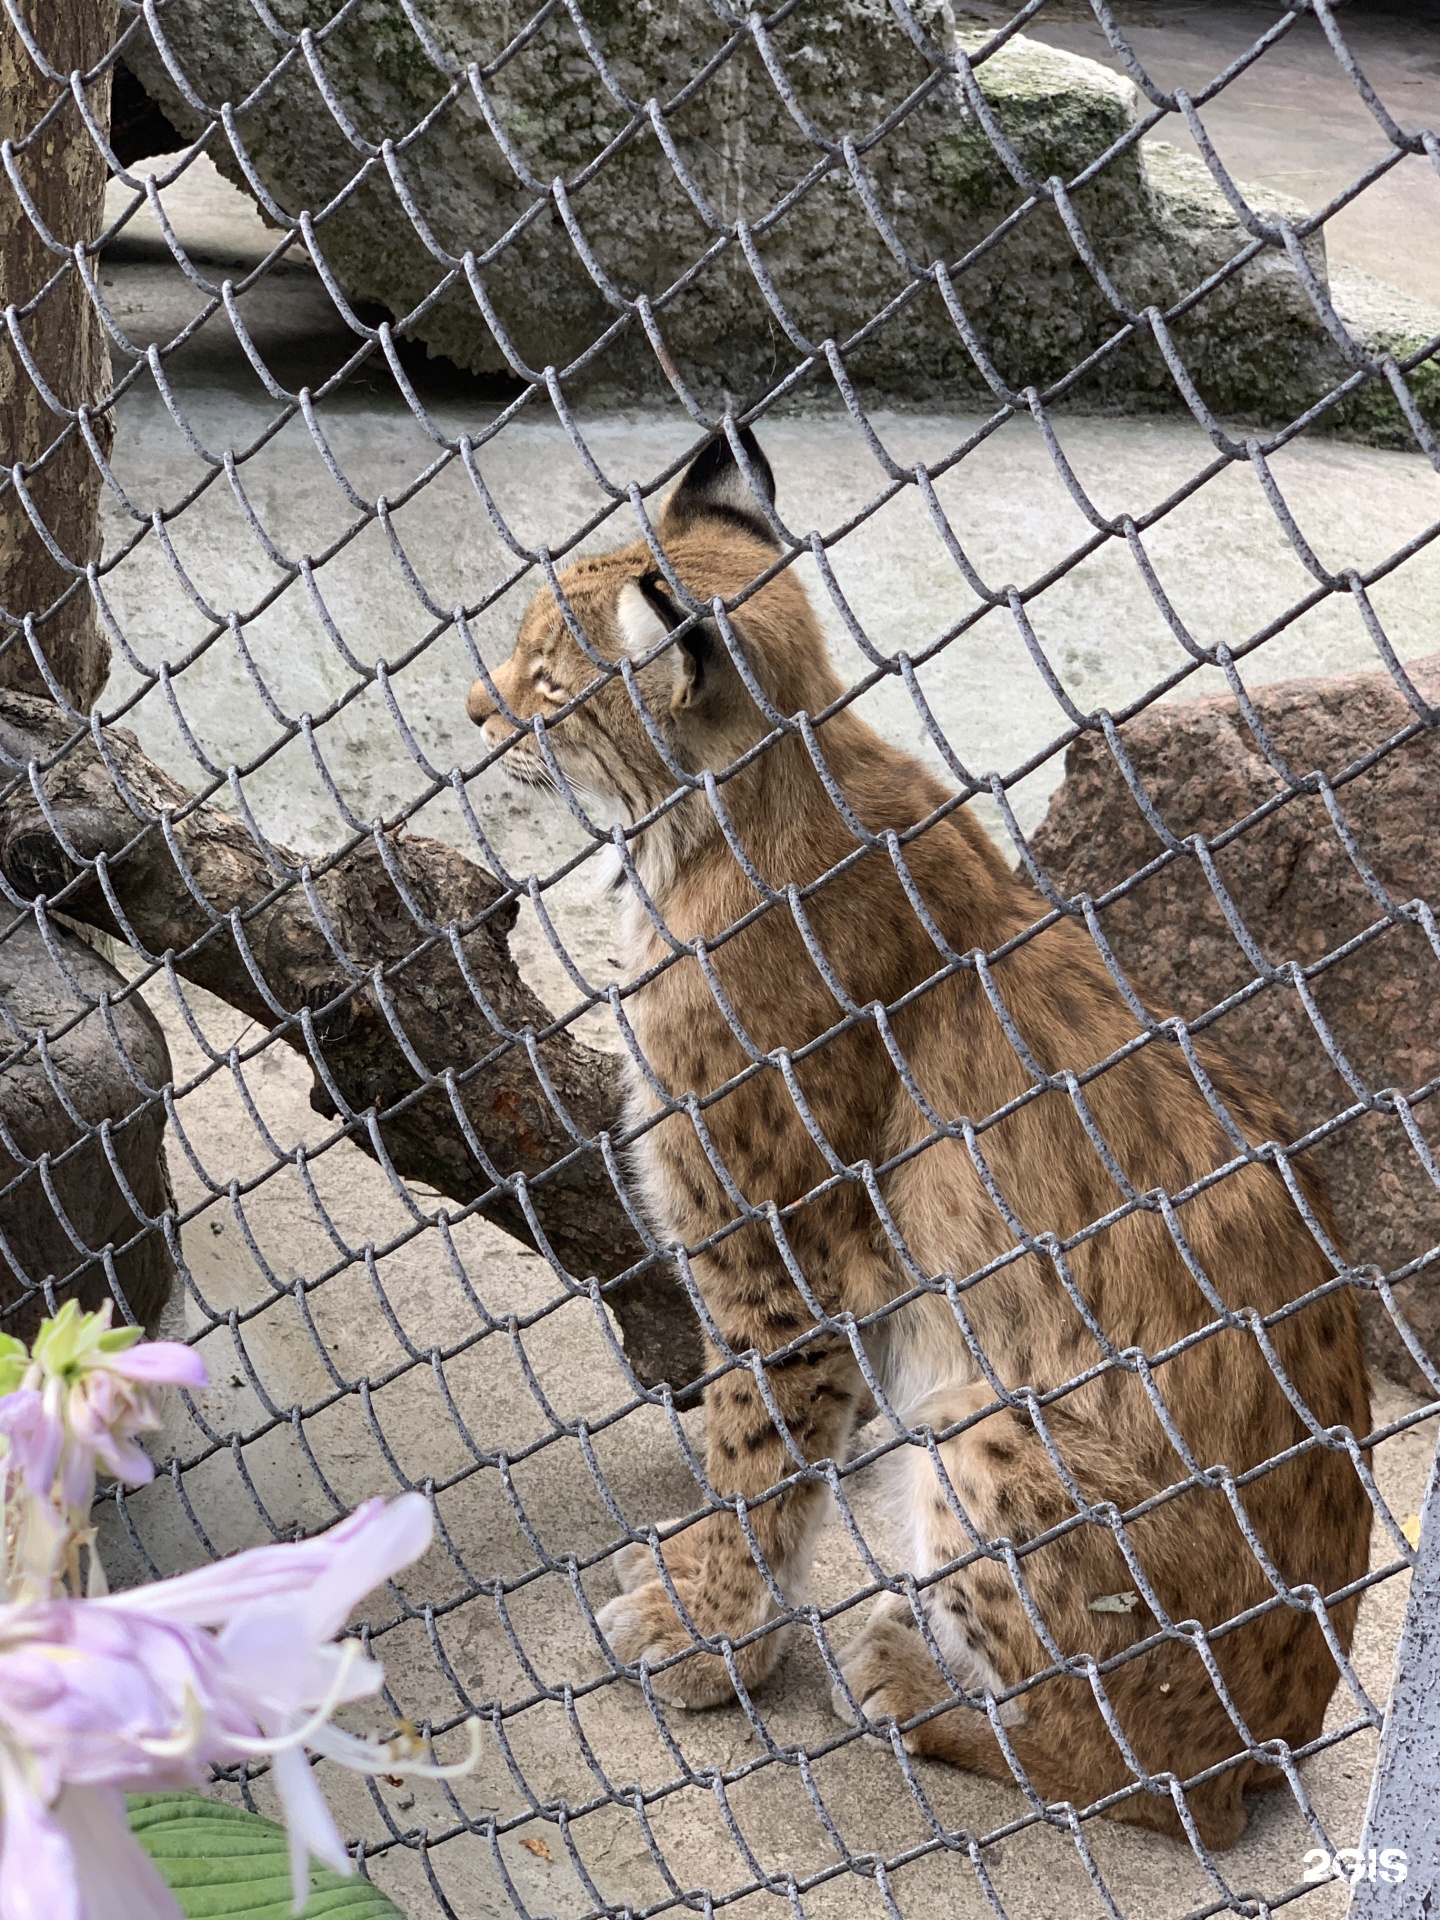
[{"x": 717, "y": 539}]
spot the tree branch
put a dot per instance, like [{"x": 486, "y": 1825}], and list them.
[{"x": 334, "y": 956}]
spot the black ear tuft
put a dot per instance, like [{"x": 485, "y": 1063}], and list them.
[
  {"x": 655, "y": 590},
  {"x": 699, "y": 645},
  {"x": 714, "y": 487}
]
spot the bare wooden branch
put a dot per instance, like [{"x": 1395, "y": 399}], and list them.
[{"x": 342, "y": 946}]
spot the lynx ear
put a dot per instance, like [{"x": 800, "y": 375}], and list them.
[
  {"x": 644, "y": 619},
  {"x": 646, "y": 613},
  {"x": 713, "y": 487}
]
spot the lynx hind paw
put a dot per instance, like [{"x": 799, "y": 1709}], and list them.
[
  {"x": 871, "y": 1660},
  {"x": 633, "y": 1566},
  {"x": 891, "y": 1675}
]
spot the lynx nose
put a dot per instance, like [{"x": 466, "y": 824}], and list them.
[{"x": 478, "y": 704}]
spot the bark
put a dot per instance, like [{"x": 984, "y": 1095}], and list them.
[
  {"x": 62, "y": 1202},
  {"x": 65, "y": 177},
  {"x": 290, "y": 957},
  {"x": 40, "y": 1099}
]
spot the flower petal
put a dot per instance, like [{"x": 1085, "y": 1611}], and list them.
[
  {"x": 308, "y": 1822},
  {"x": 95, "y": 1697},
  {"x": 124, "y": 1460},
  {"x": 210, "y": 1596},
  {"x": 283, "y": 1673},
  {"x": 162, "y": 1362},
  {"x": 118, "y": 1880},
  {"x": 39, "y": 1548},
  {"x": 38, "y": 1879},
  {"x": 77, "y": 1477},
  {"x": 35, "y": 1436},
  {"x": 393, "y": 1538}
]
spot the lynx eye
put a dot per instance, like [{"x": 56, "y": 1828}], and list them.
[{"x": 546, "y": 687}]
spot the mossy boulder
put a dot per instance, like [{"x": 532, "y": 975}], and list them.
[{"x": 471, "y": 126}]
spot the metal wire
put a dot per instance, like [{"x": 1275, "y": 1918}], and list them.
[{"x": 373, "y": 1355}]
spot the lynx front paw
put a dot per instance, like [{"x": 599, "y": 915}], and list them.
[{"x": 641, "y": 1624}]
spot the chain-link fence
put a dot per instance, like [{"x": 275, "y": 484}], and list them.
[{"x": 1029, "y": 1428}]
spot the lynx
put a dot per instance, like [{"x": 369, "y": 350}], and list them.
[{"x": 983, "y": 1041}]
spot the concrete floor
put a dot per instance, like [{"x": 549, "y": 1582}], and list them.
[
  {"x": 1293, "y": 121},
  {"x": 1228, "y": 570},
  {"x": 282, "y": 1358}
]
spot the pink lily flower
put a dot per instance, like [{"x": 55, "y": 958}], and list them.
[
  {"x": 147, "y": 1688},
  {"x": 34, "y": 1534},
  {"x": 93, "y": 1702},
  {"x": 96, "y": 1386},
  {"x": 31, "y": 1454}
]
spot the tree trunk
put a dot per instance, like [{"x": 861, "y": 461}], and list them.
[
  {"x": 65, "y": 178},
  {"x": 54, "y": 1102},
  {"x": 40, "y": 1096},
  {"x": 345, "y": 950}
]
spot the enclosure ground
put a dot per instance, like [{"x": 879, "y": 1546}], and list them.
[{"x": 283, "y": 1366}]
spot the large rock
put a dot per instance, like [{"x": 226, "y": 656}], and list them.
[
  {"x": 96, "y": 1086},
  {"x": 1301, "y": 897},
  {"x": 1158, "y": 222}
]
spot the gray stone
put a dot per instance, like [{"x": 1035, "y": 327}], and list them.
[
  {"x": 97, "y": 1086},
  {"x": 1301, "y": 897},
  {"x": 1156, "y": 219},
  {"x": 1391, "y": 323}
]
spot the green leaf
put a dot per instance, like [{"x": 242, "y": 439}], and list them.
[
  {"x": 222, "y": 1863},
  {"x": 120, "y": 1339},
  {"x": 14, "y": 1359}
]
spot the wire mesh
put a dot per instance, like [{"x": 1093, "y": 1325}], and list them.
[{"x": 364, "y": 1333}]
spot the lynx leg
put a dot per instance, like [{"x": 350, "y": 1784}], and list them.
[
  {"x": 710, "y": 1564},
  {"x": 1002, "y": 1476}
]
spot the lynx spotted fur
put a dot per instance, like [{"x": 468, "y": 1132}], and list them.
[{"x": 1139, "y": 1279}]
